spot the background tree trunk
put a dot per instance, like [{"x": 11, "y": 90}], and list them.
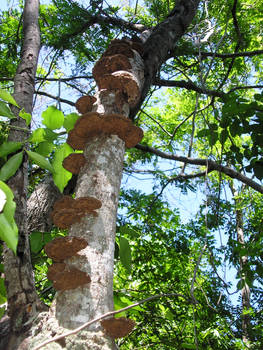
[{"x": 19, "y": 280}]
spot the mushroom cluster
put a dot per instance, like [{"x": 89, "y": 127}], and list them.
[{"x": 120, "y": 69}]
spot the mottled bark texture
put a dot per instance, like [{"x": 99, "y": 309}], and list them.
[
  {"x": 162, "y": 40},
  {"x": 21, "y": 293}
]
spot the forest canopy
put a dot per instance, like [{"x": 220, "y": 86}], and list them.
[{"x": 172, "y": 160}]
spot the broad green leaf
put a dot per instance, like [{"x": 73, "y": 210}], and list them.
[
  {"x": 8, "y": 228},
  {"x": 8, "y": 233},
  {"x": 4, "y": 95},
  {"x": 53, "y": 118},
  {"x": 10, "y": 205},
  {"x": 11, "y": 166},
  {"x": 70, "y": 121},
  {"x": 125, "y": 253},
  {"x": 38, "y": 240},
  {"x": 61, "y": 176},
  {"x": 26, "y": 116},
  {"x": 5, "y": 111},
  {"x": 129, "y": 231},
  {"x": 41, "y": 135},
  {"x": 45, "y": 148},
  {"x": 9, "y": 147},
  {"x": 40, "y": 161}
]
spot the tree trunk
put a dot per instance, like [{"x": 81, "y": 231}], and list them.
[
  {"x": 245, "y": 291},
  {"x": 21, "y": 294},
  {"x": 101, "y": 178}
]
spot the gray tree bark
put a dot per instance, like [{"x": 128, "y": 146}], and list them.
[
  {"x": 19, "y": 280},
  {"x": 245, "y": 291}
]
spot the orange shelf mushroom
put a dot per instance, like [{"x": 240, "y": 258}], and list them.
[
  {"x": 71, "y": 278},
  {"x": 74, "y": 162},
  {"x": 95, "y": 124},
  {"x": 84, "y": 104},
  {"x": 118, "y": 327},
  {"x": 62, "y": 248},
  {"x": 68, "y": 211},
  {"x": 110, "y": 64}
]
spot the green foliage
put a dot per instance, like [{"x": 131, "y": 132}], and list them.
[
  {"x": 40, "y": 160},
  {"x": 11, "y": 166},
  {"x": 53, "y": 118},
  {"x": 61, "y": 176},
  {"x": 8, "y": 228}
]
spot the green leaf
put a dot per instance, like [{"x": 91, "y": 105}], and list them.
[
  {"x": 128, "y": 231},
  {"x": 38, "y": 240},
  {"x": 40, "y": 161},
  {"x": 11, "y": 166},
  {"x": 26, "y": 116},
  {"x": 61, "y": 176},
  {"x": 70, "y": 121},
  {"x": 9, "y": 147},
  {"x": 5, "y": 111},
  {"x": 41, "y": 135},
  {"x": 125, "y": 253},
  {"x": 8, "y": 233},
  {"x": 8, "y": 228},
  {"x": 45, "y": 148},
  {"x": 53, "y": 118},
  {"x": 4, "y": 95}
]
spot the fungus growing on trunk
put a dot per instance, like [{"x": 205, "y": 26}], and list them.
[
  {"x": 84, "y": 104},
  {"x": 62, "y": 248},
  {"x": 110, "y": 64},
  {"x": 95, "y": 124},
  {"x": 74, "y": 162},
  {"x": 123, "y": 81},
  {"x": 68, "y": 211},
  {"x": 55, "y": 269},
  {"x": 70, "y": 278},
  {"x": 118, "y": 327}
]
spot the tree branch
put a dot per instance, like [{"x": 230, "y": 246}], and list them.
[
  {"x": 55, "y": 98},
  {"x": 210, "y": 164},
  {"x": 189, "y": 85}
]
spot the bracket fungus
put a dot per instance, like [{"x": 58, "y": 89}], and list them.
[
  {"x": 62, "y": 248},
  {"x": 123, "y": 81},
  {"x": 118, "y": 327},
  {"x": 95, "y": 124},
  {"x": 68, "y": 211},
  {"x": 74, "y": 162},
  {"x": 70, "y": 278},
  {"x": 84, "y": 104},
  {"x": 110, "y": 64},
  {"x": 55, "y": 269}
]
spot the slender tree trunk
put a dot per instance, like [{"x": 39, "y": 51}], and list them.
[
  {"x": 245, "y": 291},
  {"x": 21, "y": 293},
  {"x": 101, "y": 178}
]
